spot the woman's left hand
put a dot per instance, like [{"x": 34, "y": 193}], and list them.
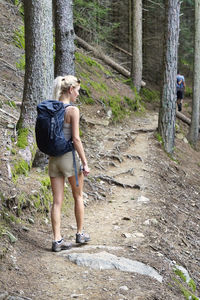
[{"x": 86, "y": 170}]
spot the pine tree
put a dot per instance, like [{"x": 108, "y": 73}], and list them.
[
  {"x": 167, "y": 113},
  {"x": 194, "y": 127},
  {"x": 64, "y": 37},
  {"x": 39, "y": 65}
]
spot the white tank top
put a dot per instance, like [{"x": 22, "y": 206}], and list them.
[{"x": 67, "y": 129}]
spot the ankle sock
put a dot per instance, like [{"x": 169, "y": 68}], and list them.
[{"x": 58, "y": 242}]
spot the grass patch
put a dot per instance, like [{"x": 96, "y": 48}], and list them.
[
  {"x": 159, "y": 138},
  {"x": 121, "y": 106},
  {"x": 11, "y": 103},
  {"x": 188, "y": 92},
  {"x": 19, "y": 41},
  {"x": 83, "y": 59},
  {"x": 22, "y": 140},
  {"x": 150, "y": 96},
  {"x": 20, "y": 168},
  {"x": 182, "y": 279}
]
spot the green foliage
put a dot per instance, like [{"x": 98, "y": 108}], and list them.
[
  {"x": 180, "y": 274},
  {"x": 129, "y": 82},
  {"x": 191, "y": 284},
  {"x": 46, "y": 182},
  {"x": 19, "y": 41},
  {"x": 186, "y": 39},
  {"x": 150, "y": 95},
  {"x": 186, "y": 105},
  {"x": 11, "y": 103},
  {"x": 20, "y": 6},
  {"x": 121, "y": 106},
  {"x": 159, "y": 138},
  {"x": 80, "y": 132},
  {"x": 188, "y": 91},
  {"x": 21, "y": 64},
  {"x": 83, "y": 59},
  {"x": 22, "y": 140},
  {"x": 21, "y": 167},
  {"x": 41, "y": 200},
  {"x": 87, "y": 100},
  {"x": 101, "y": 87},
  {"x": 91, "y": 16}
]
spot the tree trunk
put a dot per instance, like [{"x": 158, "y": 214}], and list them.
[
  {"x": 194, "y": 127},
  {"x": 167, "y": 112},
  {"x": 39, "y": 66},
  {"x": 64, "y": 37},
  {"x": 130, "y": 26},
  {"x": 136, "y": 65}
]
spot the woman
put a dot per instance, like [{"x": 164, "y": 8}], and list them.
[{"x": 66, "y": 89}]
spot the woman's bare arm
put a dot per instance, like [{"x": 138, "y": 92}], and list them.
[{"x": 74, "y": 120}]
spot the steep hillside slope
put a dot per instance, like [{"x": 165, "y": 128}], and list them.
[{"x": 141, "y": 205}]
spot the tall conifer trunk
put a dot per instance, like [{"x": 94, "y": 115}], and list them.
[
  {"x": 38, "y": 78},
  {"x": 194, "y": 127},
  {"x": 136, "y": 66},
  {"x": 167, "y": 113},
  {"x": 64, "y": 37}
]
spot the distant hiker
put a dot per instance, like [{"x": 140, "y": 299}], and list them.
[
  {"x": 180, "y": 86},
  {"x": 66, "y": 89}
]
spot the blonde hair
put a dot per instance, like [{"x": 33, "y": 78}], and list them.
[{"x": 62, "y": 84}]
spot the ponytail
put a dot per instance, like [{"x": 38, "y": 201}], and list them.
[{"x": 57, "y": 87}]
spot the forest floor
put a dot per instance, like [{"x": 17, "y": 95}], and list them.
[{"x": 155, "y": 222}]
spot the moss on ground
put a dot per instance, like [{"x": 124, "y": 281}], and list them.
[{"x": 22, "y": 140}]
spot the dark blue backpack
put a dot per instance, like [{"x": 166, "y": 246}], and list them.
[
  {"x": 49, "y": 133},
  {"x": 50, "y": 137}
]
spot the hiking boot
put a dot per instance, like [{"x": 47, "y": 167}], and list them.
[
  {"x": 82, "y": 238},
  {"x": 60, "y": 245},
  {"x": 180, "y": 107}
]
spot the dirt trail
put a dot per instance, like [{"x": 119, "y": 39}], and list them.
[
  {"x": 116, "y": 225},
  {"x": 110, "y": 223}
]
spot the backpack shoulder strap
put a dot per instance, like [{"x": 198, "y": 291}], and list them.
[{"x": 67, "y": 105}]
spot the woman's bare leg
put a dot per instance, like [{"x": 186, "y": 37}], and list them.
[
  {"x": 78, "y": 198},
  {"x": 57, "y": 185}
]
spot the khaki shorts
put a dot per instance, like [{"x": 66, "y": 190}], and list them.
[{"x": 63, "y": 165}]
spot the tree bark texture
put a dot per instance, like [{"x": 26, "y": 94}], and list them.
[
  {"x": 39, "y": 58},
  {"x": 167, "y": 112},
  {"x": 194, "y": 127},
  {"x": 64, "y": 37},
  {"x": 38, "y": 78},
  {"x": 136, "y": 66}
]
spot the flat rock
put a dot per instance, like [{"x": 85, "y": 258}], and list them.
[
  {"x": 143, "y": 199},
  {"x": 107, "y": 261}
]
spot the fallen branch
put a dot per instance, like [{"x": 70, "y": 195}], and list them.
[
  {"x": 143, "y": 130},
  {"x": 8, "y": 65},
  {"x": 113, "y": 45},
  {"x": 105, "y": 58},
  {"x": 110, "y": 180},
  {"x": 6, "y": 113},
  {"x": 184, "y": 118}
]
